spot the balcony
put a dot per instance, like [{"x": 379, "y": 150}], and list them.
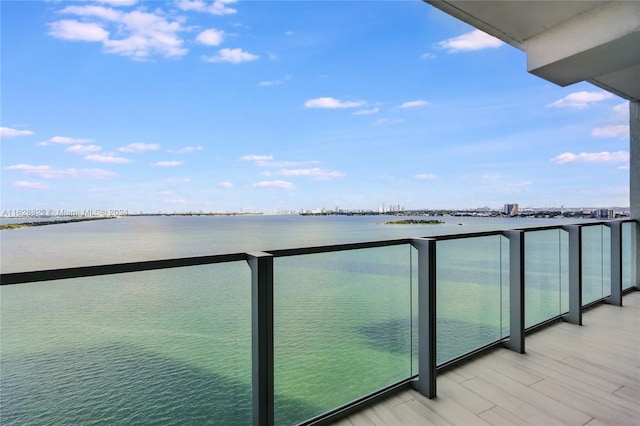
[
  {"x": 569, "y": 375},
  {"x": 311, "y": 335}
]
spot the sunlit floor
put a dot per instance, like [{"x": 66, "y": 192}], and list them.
[{"x": 570, "y": 375}]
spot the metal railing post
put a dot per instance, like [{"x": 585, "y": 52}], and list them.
[
  {"x": 426, "y": 383},
  {"x": 516, "y": 291},
  {"x": 575, "y": 274},
  {"x": 262, "y": 391},
  {"x": 616, "y": 263}
]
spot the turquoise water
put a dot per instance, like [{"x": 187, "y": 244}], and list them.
[
  {"x": 174, "y": 346},
  {"x": 161, "y": 237},
  {"x": 159, "y": 347}
]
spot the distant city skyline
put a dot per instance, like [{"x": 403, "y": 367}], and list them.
[
  {"x": 611, "y": 211},
  {"x": 268, "y": 106}
]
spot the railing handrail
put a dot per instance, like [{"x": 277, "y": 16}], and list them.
[{"x": 115, "y": 268}]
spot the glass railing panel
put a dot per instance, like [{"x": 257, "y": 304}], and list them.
[
  {"x": 504, "y": 287},
  {"x": 629, "y": 267},
  {"x": 342, "y": 328},
  {"x": 414, "y": 311},
  {"x": 470, "y": 277},
  {"x": 564, "y": 272},
  {"x": 596, "y": 263},
  {"x": 171, "y": 346},
  {"x": 606, "y": 261},
  {"x": 546, "y": 275}
]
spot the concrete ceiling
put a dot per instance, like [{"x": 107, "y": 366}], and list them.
[{"x": 566, "y": 41}]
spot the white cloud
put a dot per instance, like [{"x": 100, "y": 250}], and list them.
[
  {"x": 41, "y": 171},
  {"x": 367, "y": 111},
  {"x": 414, "y": 104},
  {"x": 387, "y": 121},
  {"x": 83, "y": 149},
  {"x": 275, "y": 82},
  {"x": 425, "y": 176},
  {"x": 81, "y": 31},
  {"x": 217, "y": 7},
  {"x": 167, "y": 163},
  {"x": 428, "y": 56},
  {"x": 622, "y": 109},
  {"x": 140, "y": 34},
  {"x": 285, "y": 163},
  {"x": 29, "y": 185},
  {"x": 580, "y": 100},
  {"x": 7, "y": 132},
  {"x": 234, "y": 56},
  {"x": 474, "y": 40},
  {"x": 592, "y": 157},
  {"x": 281, "y": 184},
  {"x": 520, "y": 184},
  {"x": 107, "y": 158},
  {"x": 211, "y": 37},
  {"x": 118, "y": 2},
  {"x": 186, "y": 150},
  {"x": 225, "y": 185},
  {"x": 149, "y": 34},
  {"x": 93, "y": 11},
  {"x": 315, "y": 173},
  {"x": 64, "y": 140},
  {"x": 139, "y": 147},
  {"x": 267, "y": 161},
  {"x": 48, "y": 172},
  {"x": 619, "y": 131},
  {"x": 332, "y": 103},
  {"x": 253, "y": 157}
]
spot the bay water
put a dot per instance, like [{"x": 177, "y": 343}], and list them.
[{"x": 173, "y": 346}]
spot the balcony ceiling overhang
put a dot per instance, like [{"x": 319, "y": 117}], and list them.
[{"x": 565, "y": 41}]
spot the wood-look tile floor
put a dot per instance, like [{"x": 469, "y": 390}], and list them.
[{"x": 569, "y": 375}]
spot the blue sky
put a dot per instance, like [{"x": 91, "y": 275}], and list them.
[{"x": 219, "y": 106}]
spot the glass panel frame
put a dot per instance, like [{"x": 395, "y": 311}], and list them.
[
  {"x": 159, "y": 346},
  {"x": 546, "y": 275},
  {"x": 596, "y": 263},
  {"x": 342, "y": 327},
  {"x": 471, "y": 275},
  {"x": 629, "y": 255}
]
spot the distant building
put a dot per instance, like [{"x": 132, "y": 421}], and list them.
[
  {"x": 392, "y": 208},
  {"x": 605, "y": 214},
  {"x": 511, "y": 209}
]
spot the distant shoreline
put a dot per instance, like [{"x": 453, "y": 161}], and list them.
[
  {"x": 50, "y": 222},
  {"x": 414, "y": 222}
]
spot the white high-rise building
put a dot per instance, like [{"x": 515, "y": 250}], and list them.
[{"x": 510, "y": 209}]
